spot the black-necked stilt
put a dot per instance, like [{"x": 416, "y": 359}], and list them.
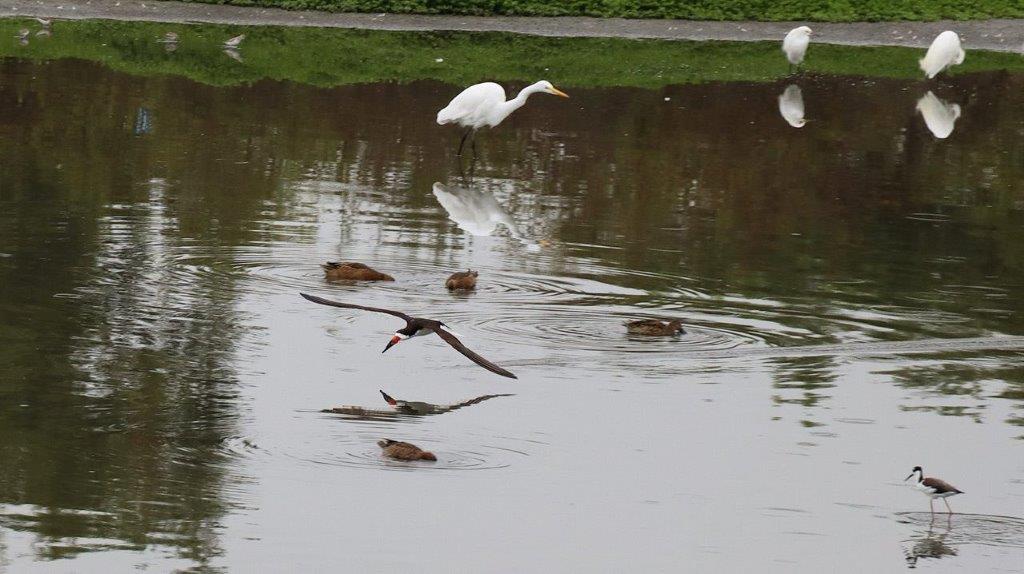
[
  {"x": 354, "y": 272},
  {"x": 654, "y": 327},
  {"x": 462, "y": 281},
  {"x": 417, "y": 326},
  {"x": 934, "y": 488},
  {"x": 404, "y": 450}
]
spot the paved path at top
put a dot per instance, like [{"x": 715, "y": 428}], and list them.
[{"x": 1000, "y": 35}]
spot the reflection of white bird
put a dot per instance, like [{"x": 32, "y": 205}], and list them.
[
  {"x": 795, "y": 44},
  {"x": 791, "y": 106},
  {"x": 23, "y": 36},
  {"x": 169, "y": 38},
  {"x": 234, "y": 54},
  {"x": 944, "y": 52},
  {"x": 938, "y": 115},
  {"x": 234, "y": 42},
  {"x": 484, "y": 105},
  {"x": 476, "y": 212}
]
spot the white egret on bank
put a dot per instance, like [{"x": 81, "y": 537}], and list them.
[
  {"x": 944, "y": 52},
  {"x": 938, "y": 115},
  {"x": 484, "y": 105},
  {"x": 791, "y": 106},
  {"x": 795, "y": 44},
  {"x": 233, "y": 43}
]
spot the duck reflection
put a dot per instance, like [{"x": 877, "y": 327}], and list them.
[
  {"x": 938, "y": 115},
  {"x": 477, "y": 212},
  {"x": 931, "y": 544},
  {"x": 403, "y": 408},
  {"x": 791, "y": 106}
]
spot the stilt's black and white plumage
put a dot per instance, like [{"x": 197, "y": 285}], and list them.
[
  {"x": 934, "y": 488},
  {"x": 416, "y": 326}
]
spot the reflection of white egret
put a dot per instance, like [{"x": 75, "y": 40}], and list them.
[
  {"x": 938, "y": 115},
  {"x": 484, "y": 105},
  {"x": 477, "y": 212},
  {"x": 791, "y": 106},
  {"x": 795, "y": 44},
  {"x": 944, "y": 52}
]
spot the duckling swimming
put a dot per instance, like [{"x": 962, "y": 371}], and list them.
[
  {"x": 403, "y": 450},
  {"x": 353, "y": 271},
  {"x": 462, "y": 281},
  {"x": 654, "y": 327}
]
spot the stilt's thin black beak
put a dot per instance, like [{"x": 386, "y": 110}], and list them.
[
  {"x": 394, "y": 341},
  {"x": 908, "y": 478}
]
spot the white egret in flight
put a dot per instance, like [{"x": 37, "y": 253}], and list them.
[
  {"x": 944, "y": 52},
  {"x": 795, "y": 44},
  {"x": 484, "y": 105}
]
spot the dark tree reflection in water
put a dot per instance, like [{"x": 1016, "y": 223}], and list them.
[{"x": 160, "y": 379}]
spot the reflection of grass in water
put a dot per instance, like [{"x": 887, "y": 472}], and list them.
[{"x": 328, "y": 57}]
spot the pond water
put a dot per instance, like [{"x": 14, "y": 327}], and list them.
[{"x": 851, "y": 291}]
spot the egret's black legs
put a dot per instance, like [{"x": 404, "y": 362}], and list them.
[{"x": 463, "y": 142}]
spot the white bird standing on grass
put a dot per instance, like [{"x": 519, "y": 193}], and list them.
[
  {"x": 795, "y": 45},
  {"x": 233, "y": 43},
  {"x": 484, "y": 105},
  {"x": 944, "y": 52}
]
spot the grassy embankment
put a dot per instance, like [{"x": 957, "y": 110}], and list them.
[
  {"x": 761, "y": 10},
  {"x": 329, "y": 57}
]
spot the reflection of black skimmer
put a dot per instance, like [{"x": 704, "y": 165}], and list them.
[
  {"x": 416, "y": 326},
  {"x": 421, "y": 408},
  {"x": 934, "y": 488},
  {"x": 407, "y": 408}
]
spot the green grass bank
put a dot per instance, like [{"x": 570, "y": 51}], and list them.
[
  {"x": 329, "y": 57},
  {"x": 757, "y": 10}
]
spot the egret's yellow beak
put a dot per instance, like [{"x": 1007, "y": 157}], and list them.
[{"x": 557, "y": 92}]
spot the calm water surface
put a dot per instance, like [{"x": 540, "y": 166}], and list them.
[{"x": 852, "y": 292}]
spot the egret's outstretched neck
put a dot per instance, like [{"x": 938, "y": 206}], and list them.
[{"x": 506, "y": 108}]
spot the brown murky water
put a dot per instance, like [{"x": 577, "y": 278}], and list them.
[{"x": 851, "y": 291}]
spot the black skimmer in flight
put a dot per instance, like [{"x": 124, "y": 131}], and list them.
[
  {"x": 934, "y": 488},
  {"x": 417, "y": 326}
]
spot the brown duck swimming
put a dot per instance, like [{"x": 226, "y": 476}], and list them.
[
  {"x": 403, "y": 450},
  {"x": 353, "y": 271},
  {"x": 654, "y": 327},
  {"x": 462, "y": 281}
]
